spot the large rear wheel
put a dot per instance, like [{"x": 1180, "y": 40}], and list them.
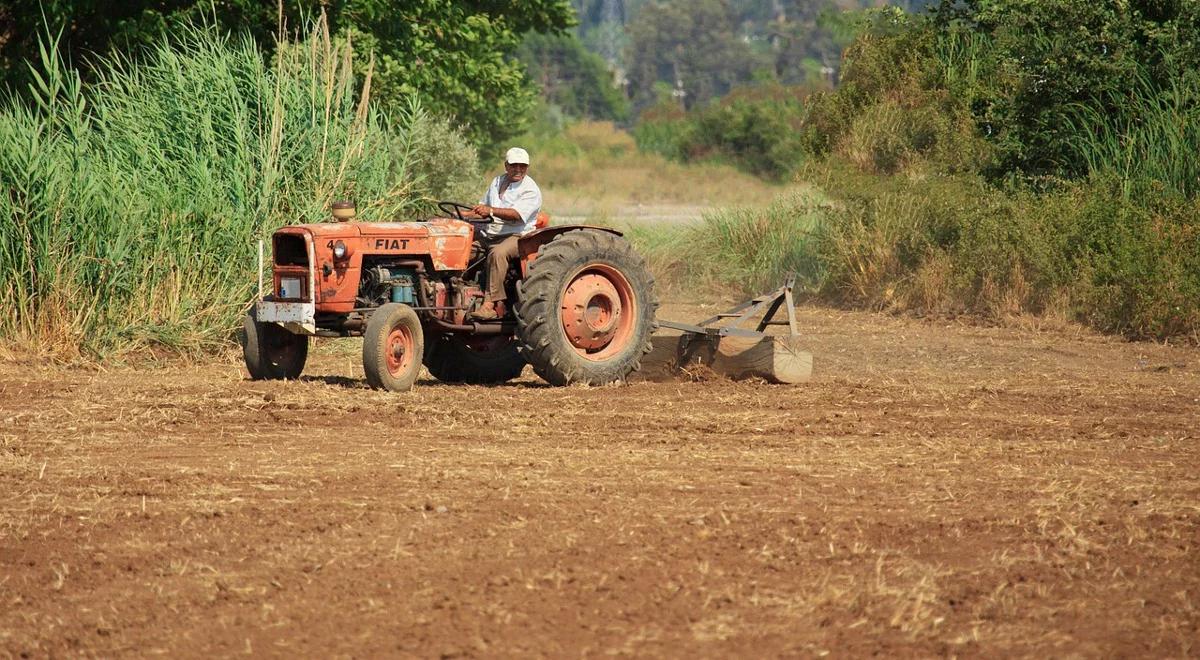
[
  {"x": 474, "y": 360},
  {"x": 586, "y": 309},
  {"x": 270, "y": 351},
  {"x": 392, "y": 348}
]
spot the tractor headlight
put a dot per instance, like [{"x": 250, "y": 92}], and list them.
[{"x": 339, "y": 250}]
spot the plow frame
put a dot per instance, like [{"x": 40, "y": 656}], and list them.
[{"x": 743, "y": 312}]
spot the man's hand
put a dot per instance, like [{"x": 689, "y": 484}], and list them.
[{"x": 496, "y": 213}]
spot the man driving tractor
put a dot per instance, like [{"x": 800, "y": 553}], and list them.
[
  {"x": 512, "y": 202},
  {"x": 586, "y": 312}
]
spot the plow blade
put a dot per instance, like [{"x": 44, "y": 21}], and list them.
[
  {"x": 774, "y": 359},
  {"x": 732, "y": 351}
]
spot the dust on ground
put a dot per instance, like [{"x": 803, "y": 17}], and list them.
[{"x": 937, "y": 489}]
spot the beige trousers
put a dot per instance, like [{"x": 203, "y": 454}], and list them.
[{"x": 499, "y": 256}]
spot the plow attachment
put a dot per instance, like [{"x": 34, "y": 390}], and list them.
[{"x": 720, "y": 343}]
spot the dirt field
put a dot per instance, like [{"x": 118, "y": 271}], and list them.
[{"x": 939, "y": 489}]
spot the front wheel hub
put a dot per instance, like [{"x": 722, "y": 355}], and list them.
[
  {"x": 398, "y": 350},
  {"x": 591, "y": 310}
]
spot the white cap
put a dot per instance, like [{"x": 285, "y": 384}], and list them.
[{"x": 517, "y": 156}]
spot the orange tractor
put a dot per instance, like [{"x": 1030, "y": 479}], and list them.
[{"x": 581, "y": 309}]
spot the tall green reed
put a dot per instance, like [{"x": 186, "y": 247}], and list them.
[
  {"x": 1152, "y": 141},
  {"x": 132, "y": 206}
]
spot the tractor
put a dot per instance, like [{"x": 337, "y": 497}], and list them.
[{"x": 581, "y": 302}]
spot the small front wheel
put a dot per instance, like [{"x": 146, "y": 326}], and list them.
[
  {"x": 392, "y": 348},
  {"x": 271, "y": 352}
]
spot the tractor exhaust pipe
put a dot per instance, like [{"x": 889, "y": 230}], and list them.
[{"x": 260, "y": 265}]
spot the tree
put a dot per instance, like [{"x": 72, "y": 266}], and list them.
[
  {"x": 451, "y": 53},
  {"x": 1050, "y": 59},
  {"x": 694, "y": 45},
  {"x": 577, "y": 81}
]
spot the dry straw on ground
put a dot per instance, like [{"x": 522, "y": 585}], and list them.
[{"x": 937, "y": 489}]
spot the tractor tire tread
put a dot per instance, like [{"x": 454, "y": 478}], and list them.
[
  {"x": 265, "y": 349},
  {"x": 381, "y": 323},
  {"x": 542, "y": 342}
]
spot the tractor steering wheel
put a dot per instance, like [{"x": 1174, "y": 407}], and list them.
[{"x": 455, "y": 209}]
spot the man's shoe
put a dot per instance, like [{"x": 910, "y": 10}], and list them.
[{"x": 484, "y": 314}]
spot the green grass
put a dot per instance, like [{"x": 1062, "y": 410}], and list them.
[
  {"x": 135, "y": 203},
  {"x": 736, "y": 251},
  {"x": 1152, "y": 145}
]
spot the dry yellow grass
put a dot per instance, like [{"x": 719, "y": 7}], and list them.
[{"x": 594, "y": 168}]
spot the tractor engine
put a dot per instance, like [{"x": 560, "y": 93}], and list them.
[
  {"x": 382, "y": 284},
  {"x": 448, "y": 295}
]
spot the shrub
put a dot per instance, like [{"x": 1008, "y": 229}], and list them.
[
  {"x": 753, "y": 249},
  {"x": 894, "y": 109},
  {"x": 1142, "y": 263},
  {"x": 754, "y": 128},
  {"x": 663, "y": 128},
  {"x": 958, "y": 244}
]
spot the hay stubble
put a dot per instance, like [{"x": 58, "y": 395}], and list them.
[{"x": 935, "y": 490}]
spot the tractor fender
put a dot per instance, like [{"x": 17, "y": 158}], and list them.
[{"x": 529, "y": 244}]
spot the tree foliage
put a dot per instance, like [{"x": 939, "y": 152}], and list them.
[
  {"x": 572, "y": 78},
  {"x": 755, "y": 128},
  {"x": 693, "y": 46},
  {"x": 1041, "y": 81},
  {"x": 1049, "y": 59},
  {"x": 704, "y": 48},
  {"x": 452, "y": 53}
]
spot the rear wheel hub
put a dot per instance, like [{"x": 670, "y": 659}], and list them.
[{"x": 595, "y": 311}]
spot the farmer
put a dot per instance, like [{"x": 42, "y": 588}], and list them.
[{"x": 512, "y": 202}]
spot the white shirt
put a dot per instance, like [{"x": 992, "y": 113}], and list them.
[{"x": 525, "y": 197}]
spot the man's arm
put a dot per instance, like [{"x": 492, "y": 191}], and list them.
[
  {"x": 526, "y": 206},
  {"x": 505, "y": 215}
]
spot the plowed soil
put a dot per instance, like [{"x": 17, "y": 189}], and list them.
[{"x": 938, "y": 489}]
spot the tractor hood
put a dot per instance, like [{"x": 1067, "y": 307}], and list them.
[
  {"x": 443, "y": 243},
  {"x": 434, "y": 227}
]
